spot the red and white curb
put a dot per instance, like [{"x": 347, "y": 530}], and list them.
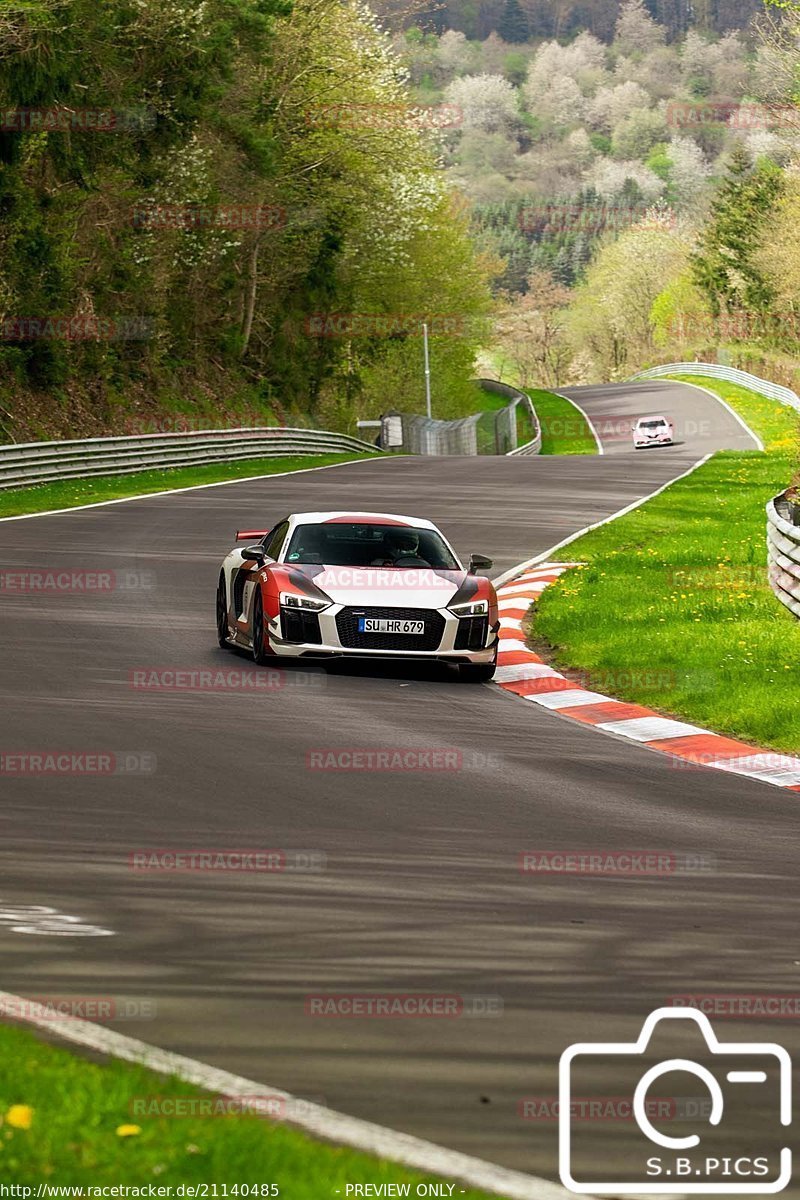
[{"x": 521, "y": 671}]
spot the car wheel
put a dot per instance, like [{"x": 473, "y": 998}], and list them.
[
  {"x": 260, "y": 655},
  {"x": 476, "y": 672},
  {"x": 222, "y": 614}
]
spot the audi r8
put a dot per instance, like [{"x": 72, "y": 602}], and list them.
[{"x": 363, "y": 585}]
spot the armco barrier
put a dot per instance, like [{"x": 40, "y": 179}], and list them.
[
  {"x": 425, "y": 435},
  {"x": 783, "y": 554},
  {"x": 515, "y": 397},
  {"x": 774, "y": 391},
  {"x": 43, "y": 462}
]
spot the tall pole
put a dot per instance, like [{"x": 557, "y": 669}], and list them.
[{"x": 427, "y": 369}]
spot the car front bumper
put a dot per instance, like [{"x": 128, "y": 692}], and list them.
[{"x": 330, "y": 644}]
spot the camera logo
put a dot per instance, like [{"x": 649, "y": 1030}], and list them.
[{"x": 759, "y": 1075}]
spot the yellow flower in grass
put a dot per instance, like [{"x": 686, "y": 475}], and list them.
[
  {"x": 128, "y": 1130},
  {"x": 20, "y": 1116}
]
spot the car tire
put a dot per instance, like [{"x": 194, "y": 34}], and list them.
[
  {"x": 476, "y": 672},
  {"x": 222, "y": 614},
  {"x": 260, "y": 655}
]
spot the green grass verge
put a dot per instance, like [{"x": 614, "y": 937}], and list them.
[
  {"x": 564, "y": 427},
  {"x": 673, "y": 609},
  {"x": 71, "y": 493},
  {"x": 78, "y": 1108}
]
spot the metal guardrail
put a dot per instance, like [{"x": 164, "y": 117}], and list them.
[
  {"x": 425, "y": 435},
  {"x": 498, "y": 429},
  {"x": 506, "y": 425},
  {"x": 43, "y": 462},
  {"x": 774, "y": 391},
  {"x": 783, "y": 554}
]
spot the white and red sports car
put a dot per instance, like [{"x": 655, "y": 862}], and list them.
[
  {"x": 364, "y": 585},
  {"x": 652, "y": 431}
]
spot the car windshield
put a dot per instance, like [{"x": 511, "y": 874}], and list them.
[
  {"x": 652, "y": 424},
  {"x": 358, "y": 544}
]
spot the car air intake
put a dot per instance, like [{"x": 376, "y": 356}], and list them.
[
  {"x": 430, "y": 639},
  {"x": 300, "y": 626},
  {"x": 471, "y": 633}
]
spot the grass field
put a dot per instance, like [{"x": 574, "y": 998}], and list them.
[
  {"x": 564, "y": 427},
  {"x": 673, "y": 608},
  {"x": 85, "y": 1126},
  {"x": 71, "y": 493}
]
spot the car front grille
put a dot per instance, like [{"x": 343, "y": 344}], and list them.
[{"x": 349, "y": 636}]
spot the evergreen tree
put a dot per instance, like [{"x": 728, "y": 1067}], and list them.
[
  {"x": 513, "y": 25},
  {"x": 723, "y": 265}
]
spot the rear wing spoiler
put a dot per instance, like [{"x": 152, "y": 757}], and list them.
[{"x": 248, "y": 535}]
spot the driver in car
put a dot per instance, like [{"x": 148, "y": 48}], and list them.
[{"x": 401, "y": 549}]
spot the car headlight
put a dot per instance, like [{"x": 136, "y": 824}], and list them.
[
  {"x": 294, "y": 600},
  {"x": 478, "y": 608}
]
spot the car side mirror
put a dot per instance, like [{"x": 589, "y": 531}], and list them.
[
  {"x": 479, "y": 562},
  {"x": 256, "y": 552}
]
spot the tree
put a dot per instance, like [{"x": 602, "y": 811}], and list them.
[
  {"x": 487, "y": 102},
  {"x": 530, "y": 331},
  {"x": 636, "y": 31},
  {"x": 725, "y": 263},
  {"x": 637, "y": 133},
  {"x": 611, "y": 105},
  {"x": 454, "y": 53},
  {"x": 611, "y": 315},
  {"x": 513, "y": 25},
  {"x": 777, "y": 254}
]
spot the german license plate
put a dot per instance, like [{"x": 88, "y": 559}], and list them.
[{"x": 386, "y": 625}]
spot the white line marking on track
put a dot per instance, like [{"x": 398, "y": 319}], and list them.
[
  {"x": 44, "y": 921},
  {"x": 545, "y": 556},
  {"x": 724, "y": 403},
  {"x": 586, "y": 418},
  {"x": 320, "y": 1122}
]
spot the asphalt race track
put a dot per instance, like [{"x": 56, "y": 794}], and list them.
[{"x": 421, "y": 890}]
